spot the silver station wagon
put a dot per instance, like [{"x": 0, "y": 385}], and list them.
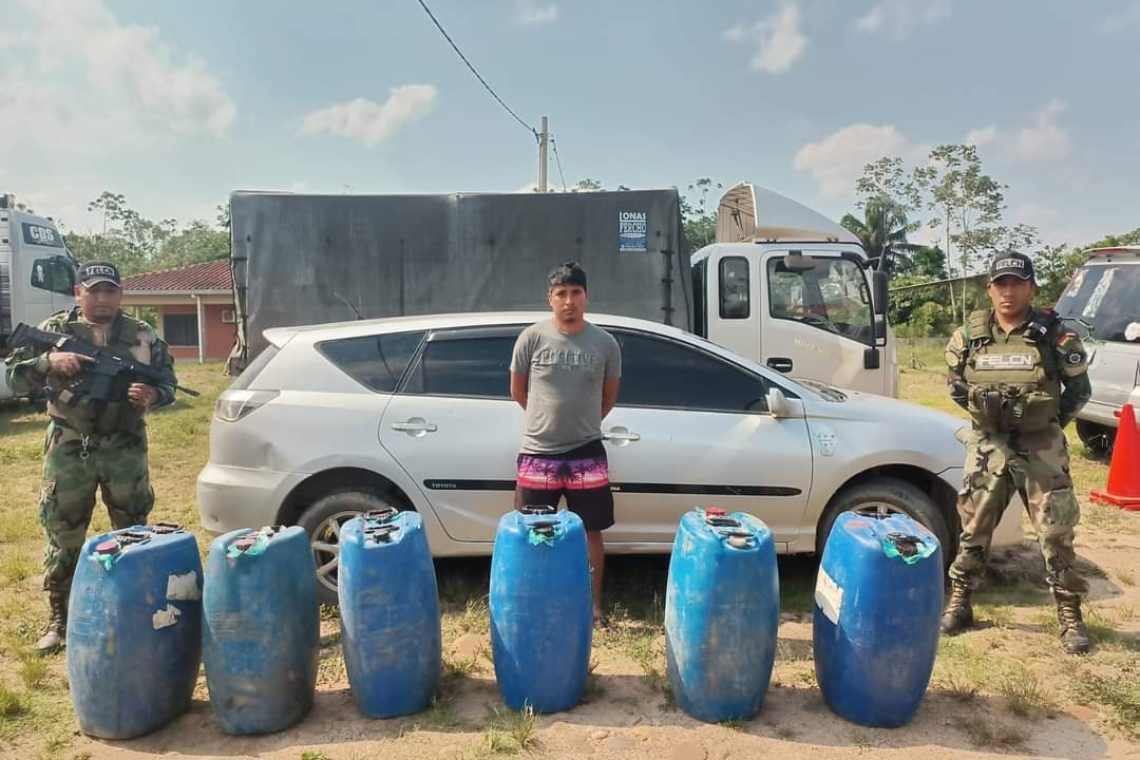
[{"x": 415, "y": 413}]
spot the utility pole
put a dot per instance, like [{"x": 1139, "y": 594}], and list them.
[{"x": 543, "y": 141}]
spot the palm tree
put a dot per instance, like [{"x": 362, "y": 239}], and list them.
[{"x": 882, "y": 229}]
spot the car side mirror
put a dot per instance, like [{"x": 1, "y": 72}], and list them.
[
  {"x": 882, "y": 293},
  {"x": 778, "y": 404},
  {"x": 54, "y": 275}
]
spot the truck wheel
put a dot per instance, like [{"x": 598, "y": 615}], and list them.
[
  {"x": 1098, "y": 439},
  {"x": 889, "y": 496},
  {"x": 323, "y": 520}
]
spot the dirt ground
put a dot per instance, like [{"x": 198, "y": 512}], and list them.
[{"x": 1003, "y": 689}]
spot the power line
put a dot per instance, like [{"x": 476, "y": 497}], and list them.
[
  {"x": 554, "y": 145},
  {"x": 478, "y": 76}
]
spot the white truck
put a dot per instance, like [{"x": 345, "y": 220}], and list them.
[
  {"x": 782, "y": 284},
  {"x": 37, "y": 272},
  {"x": 787, "y": 287}
]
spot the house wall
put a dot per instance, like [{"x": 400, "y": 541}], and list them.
[{"x": 219, "y": 336}]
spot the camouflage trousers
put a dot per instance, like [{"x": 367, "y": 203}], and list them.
[
  {"x": 1036, "y": 466},
  {"x": 74, "y": 468}
]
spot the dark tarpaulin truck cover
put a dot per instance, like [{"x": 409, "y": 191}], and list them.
[{"x": 311, "y": 259}]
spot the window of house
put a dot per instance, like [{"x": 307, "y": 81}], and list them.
[{"x": 180, "y": 329}]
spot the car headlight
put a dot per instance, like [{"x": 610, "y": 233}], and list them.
[{"x": 233, "y": 405}]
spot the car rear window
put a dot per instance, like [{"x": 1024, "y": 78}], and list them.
[
  {"x": 250, "y": 373},
  {"x": 377, "y": 361}
]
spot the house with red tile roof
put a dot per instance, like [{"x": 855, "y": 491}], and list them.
[{"x": 194, "y": 305}]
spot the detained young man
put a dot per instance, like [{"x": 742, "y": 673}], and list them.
[{"x": 565, "y": 374}]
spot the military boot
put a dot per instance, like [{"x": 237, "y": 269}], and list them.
[
  {"x": 1074, "y": 635},
  {"x": 56, "y": 629},
  {"x": 959, "y": 614}
]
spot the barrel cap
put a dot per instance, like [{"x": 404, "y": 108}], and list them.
[
  {"x": 246, "y": 542},
  {"x": 111, "y": 546}
]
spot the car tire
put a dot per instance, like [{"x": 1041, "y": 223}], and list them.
[
  {"x": 892, "y": 496},
  {"x": 1098, "y": 439},
  {"x": 322, "y": 521}
]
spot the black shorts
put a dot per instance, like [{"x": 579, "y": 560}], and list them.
[{"x": 582, "y": 474}]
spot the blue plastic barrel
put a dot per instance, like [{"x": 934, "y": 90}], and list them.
[
  {"x": 261, "y": 629},
  {"x": 722, "y": 611},
  {"x": 541, "y": 610},
  {"x": 134, "y": 630},
  {"x": 878, "y": 601},
  {"x": 389, "y": 613}
]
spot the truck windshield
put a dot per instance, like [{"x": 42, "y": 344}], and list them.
[
  {"x": 831, "y": 296},
  {"x": 1105, "y": 299}
]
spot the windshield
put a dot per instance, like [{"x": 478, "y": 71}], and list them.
[
  {"x": 832, "y": 296},
  {"x": 1105, "y": 299}
]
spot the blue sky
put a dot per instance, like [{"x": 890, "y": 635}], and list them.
[{"x": 176, "y": 104}]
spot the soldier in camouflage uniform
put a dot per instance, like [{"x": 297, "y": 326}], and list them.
[
  {"x": 90, "y": 444},
  {"x": 1022, "y": 375}
]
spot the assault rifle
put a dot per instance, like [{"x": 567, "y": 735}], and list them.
[{"x": 105, "y": 367}]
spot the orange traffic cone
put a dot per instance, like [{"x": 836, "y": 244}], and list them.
[{"x": 1124, "y": 473}]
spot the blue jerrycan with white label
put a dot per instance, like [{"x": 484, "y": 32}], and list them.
[
  {"x": 134, "y": 630},
  {"x": 878, "y": 605}
]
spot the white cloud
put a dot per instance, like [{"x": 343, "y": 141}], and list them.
[
  {"x": 532, "y": 14},
  {"x": 779, "y": 43},
  {"x": 900, "y": 19},
  {"x": 1044, "y": 139},
  {"x": 838, "y": 160},
  {"x": 94, "y": 83},
  {"x": 1032, "y": 213},
  {"x": 371, "y": 123},
  {"x": 1119, "y": 22},
  {"x": 983, "y": 136}
]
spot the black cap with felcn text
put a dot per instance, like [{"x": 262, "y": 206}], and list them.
[
  {"x": 94, "y": 272},
  {"x": 1011, "y": 262}
]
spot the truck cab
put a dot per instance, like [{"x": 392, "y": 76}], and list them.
[
  {"x": 789, "y": 288},
  {"x": 37, "y": 272},
  {"x": 1102, "y": 304}
]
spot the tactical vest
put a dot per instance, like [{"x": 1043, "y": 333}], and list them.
[
  {"x": 1013, "y": 386},
  {"x": 68, "y": 400}
]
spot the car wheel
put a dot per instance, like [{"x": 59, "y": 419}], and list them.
[
  {"x": 323, "y": 520},
  {"x": 1098, "y": 439},
  {"x": 889, "y": 496}
]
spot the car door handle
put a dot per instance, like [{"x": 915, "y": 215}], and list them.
[
  {"x": 416, "y": 426},
  {"x": 620, "y": 435},
  {"x": 780, "y": 363}
]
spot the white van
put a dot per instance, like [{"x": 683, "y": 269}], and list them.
[
  {"x": 1102, "y": 304},
  {"x": 37, "y": 272}
]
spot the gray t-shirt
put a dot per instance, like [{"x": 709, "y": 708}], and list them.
[{"x": 564, "y": 389}]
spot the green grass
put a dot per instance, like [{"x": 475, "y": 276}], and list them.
[
  {"x": 510, "y": 732},
  {"x": 1120, "y": 695},
  {"x": 986, "y": 732},
  {"x": 959, "y": 670},
  {"x": 12, "y": 703},
  {"x": 1025, "y": 695}
]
